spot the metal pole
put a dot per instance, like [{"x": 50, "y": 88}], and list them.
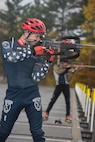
[
  {"x": 89, "y": 108},
  {"x": 92, "y": 117},
  {"x": 86, "y": 107},
  {"x": 58, "y": 57},
  {"x": 92, "y": 112}
]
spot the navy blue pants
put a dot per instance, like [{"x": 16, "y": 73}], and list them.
[{"x": 17, "y": 99}]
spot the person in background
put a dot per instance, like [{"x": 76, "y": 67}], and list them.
[
  {"x": 24, "y": 68},
  {"x": 61, "y": 71}
]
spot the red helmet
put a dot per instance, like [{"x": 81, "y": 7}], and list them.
[{"x": 34, "y": 25}]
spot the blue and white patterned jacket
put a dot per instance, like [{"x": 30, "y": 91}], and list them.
[{"x": 22, "y": 68}]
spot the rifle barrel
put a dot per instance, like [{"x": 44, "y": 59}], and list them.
[
  {"x": 89, "y": 66},
  {"x": 92, "y": 45}
]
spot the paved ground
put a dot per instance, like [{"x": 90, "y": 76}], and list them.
[{"x": 53, "y": 132}]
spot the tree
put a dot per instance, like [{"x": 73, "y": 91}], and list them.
[
  {"x": 67, "y": 15},
  {"x": 11, "y": 18},
  {"x": 89, "y": 24},
  {"x": 59, "y": 15},
  {"x": 88, "y": 53}
]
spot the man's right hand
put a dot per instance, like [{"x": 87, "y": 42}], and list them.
[
  {"x": 51, "y": 55},
  {"x": 39, "y": 50}
]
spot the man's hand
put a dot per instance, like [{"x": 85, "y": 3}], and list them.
[
  {"x": 39, "y": 50},
  {"x": 50, "y": 53}
]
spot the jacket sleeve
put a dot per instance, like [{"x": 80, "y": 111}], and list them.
[
  {"x": 40, "y": 70},
  {"x": 15, "y": 54}
]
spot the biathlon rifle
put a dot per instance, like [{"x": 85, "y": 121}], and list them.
[
  {"x": 81, "y": 65},
  {"x": 67, "y": 46}
]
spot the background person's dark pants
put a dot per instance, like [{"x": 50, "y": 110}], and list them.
[
  {"x": 15, "y": 100},
  {"x": 66, "y": 91}
]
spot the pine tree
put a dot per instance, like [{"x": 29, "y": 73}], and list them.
[
  {"x": 67, "y": 15},
  {"x": 11, "y": 18}
]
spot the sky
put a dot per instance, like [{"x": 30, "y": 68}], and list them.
[{"x": 3, "y": 6}]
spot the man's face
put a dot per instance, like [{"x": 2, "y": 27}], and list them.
[{"x": 35, "y": 38}]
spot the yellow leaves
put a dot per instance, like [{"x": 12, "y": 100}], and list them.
[
  {"x": 89, "y": 14},
  {"x": 86, "y": 26},
  {"x": 89, "y": 10}
]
